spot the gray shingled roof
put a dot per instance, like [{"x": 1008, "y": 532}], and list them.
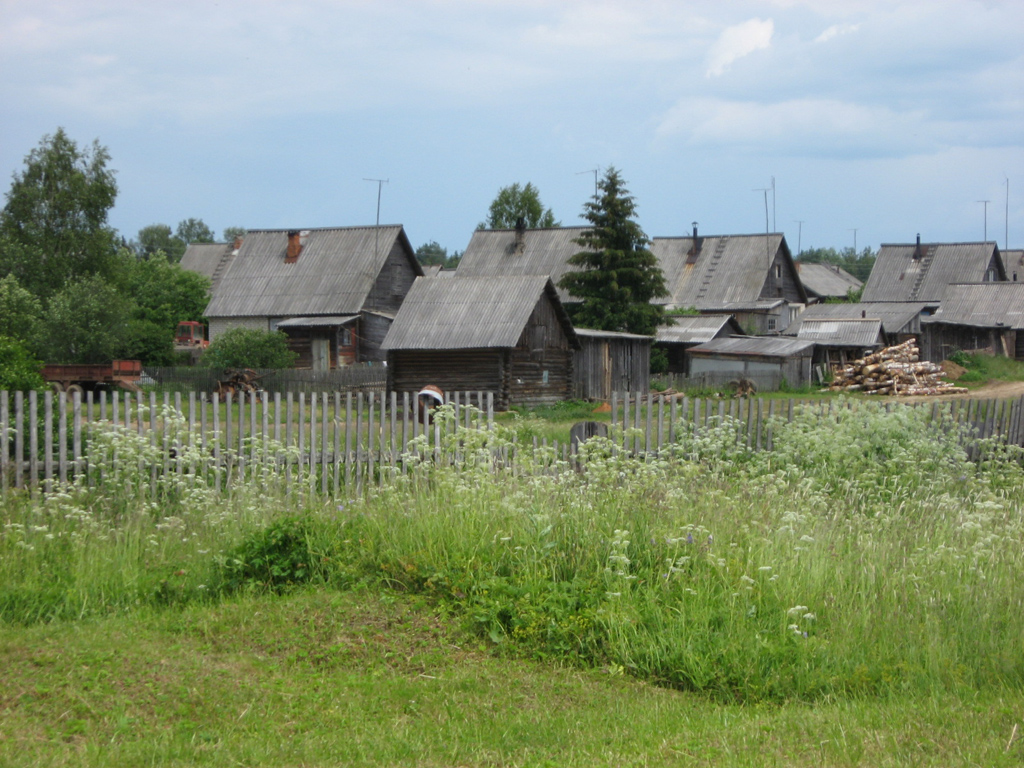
[
  {"x": 494, "y": 253},
  {"x": 728, "y": 269},
  {"x": 845, "y": 332},
  {"x": 898, "y": 276},
  {"x": 695, "y": 329},
  {"x": 896, "y": 316},
  {"x": 470, "y": 313},
  {"x": 766, "y": 346},
  {"x": 204, "y": 258},
  {"x": 826, "y": 279},
  {"x": 983, "y": 305},
  {"x": 332, "y": 276}
]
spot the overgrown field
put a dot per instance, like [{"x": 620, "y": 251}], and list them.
[{"x": 864, "y": 558}]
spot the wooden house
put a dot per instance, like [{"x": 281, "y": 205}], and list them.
[
  {"x": 332, "y": 291},
  {"x": 980, "y": 316},
  {"x": 684, "y": 332},
  {"x": 900, "y": 320},
  {"x": 920, "y": 272},
  {"x": 521, "y": 252},
  {"x": 826, "y": 281},
  {"x": 508, "y": 335},
  {"x": 752, "y": 277}
]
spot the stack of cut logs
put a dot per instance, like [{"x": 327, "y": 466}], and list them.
[{"x": 894, "y": 371}]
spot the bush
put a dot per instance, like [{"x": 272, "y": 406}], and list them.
[
  {"x": 249, "y": 348},
  {"x": 19, "y": 371},
  {"x": 274, "y": 558}
]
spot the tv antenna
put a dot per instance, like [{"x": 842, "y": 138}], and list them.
[
  {"x": 767, "y": 247},
  {"x": 376, "y": 233},
  {"x": 799, "y": 232},
  {"x": 854, "y": 230},
  {"x": 594, "y": 171}
]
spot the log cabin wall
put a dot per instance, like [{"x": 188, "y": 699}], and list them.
[
  {"x": 373, "y": 328},
  {"x": 541, "y": 363},
  {"x": 451, "y": 370},
  {"x": 939, "y": 340}
]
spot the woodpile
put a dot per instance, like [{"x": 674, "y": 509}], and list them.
[{"x": 894, "y": 371}]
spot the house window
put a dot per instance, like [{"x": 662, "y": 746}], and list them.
[
  {"x": 772, "y": 323},
  {"x": 778, "y": 271},
  {"x": 345, "y": 337}
]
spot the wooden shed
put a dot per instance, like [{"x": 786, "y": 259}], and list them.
[
  {"x": 507, "y": 335},
  {"x": 684, "y": 332},
  {"x": 755, "y": 357},
  {"x": 609, "y": 361},
  {"x": 978, "y": 316}
]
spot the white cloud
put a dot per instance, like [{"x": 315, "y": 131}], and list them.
[
  {"x": 835, "y": 31},
  {"x": 738, "y": 41}
]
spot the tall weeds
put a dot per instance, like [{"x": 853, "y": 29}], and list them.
[{"x": 863, "y": 555}]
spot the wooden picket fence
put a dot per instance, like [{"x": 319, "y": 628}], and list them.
[{"x": 346, "y": 438}]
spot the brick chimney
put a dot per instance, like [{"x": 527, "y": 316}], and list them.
[
  {"x": 294, "y": 247},
  {"x": 238, "y": 242},
  {"x": 918, "y": 253}
]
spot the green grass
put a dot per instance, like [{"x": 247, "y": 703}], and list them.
[
  {"x": 321, "y": 678},
  {"x": 985, "y": 368},
  {"x": 853, "y": 597}
]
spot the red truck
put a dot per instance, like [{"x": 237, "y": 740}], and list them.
[{"x": 76, "y": 378}]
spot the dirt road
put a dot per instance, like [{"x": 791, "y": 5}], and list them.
[{"x": 994, "y": 389}]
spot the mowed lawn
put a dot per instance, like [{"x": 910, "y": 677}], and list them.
[{"x": 325, "y": 678}]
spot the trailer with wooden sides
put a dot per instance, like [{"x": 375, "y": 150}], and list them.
[{"x": 77, "y": 378}]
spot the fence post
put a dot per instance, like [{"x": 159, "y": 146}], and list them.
[
  {"x": 33, "y": 438},
  {"x": 5, "y": 419}
]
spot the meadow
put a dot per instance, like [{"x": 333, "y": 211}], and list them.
[{"x": 852, "y": 597}]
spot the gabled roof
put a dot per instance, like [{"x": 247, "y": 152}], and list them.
[
  {"x": 1013, "y": 262},
  {"x": 765, "y": 346},
  {"x": 697, "y": 329},
  {"x": 846, "y": 332},
  {"x": 333, "y": 274},
  {"x": 471, "y": 313},
  {"x": 915, "y": 272},
  {"x": 826, "y": 280},
  {"x": 206, "y": 258},
  {"x": 722, "y": 270},
  {"x": 982, "y": 305},
  {"x": 500, "y": 253},
  {"x": 896, "y": 316}
]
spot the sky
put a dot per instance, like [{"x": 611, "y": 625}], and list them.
[{"x": 867, "y": 122}]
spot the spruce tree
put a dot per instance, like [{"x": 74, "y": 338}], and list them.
[{"x": 618, "y": 275}]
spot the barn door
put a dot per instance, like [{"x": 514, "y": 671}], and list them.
[{"x": 321, "y": 354}]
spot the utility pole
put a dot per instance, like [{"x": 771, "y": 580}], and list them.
[
  {"x": 985, "y": 202},
  {"x": 376, "y": 234}
]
